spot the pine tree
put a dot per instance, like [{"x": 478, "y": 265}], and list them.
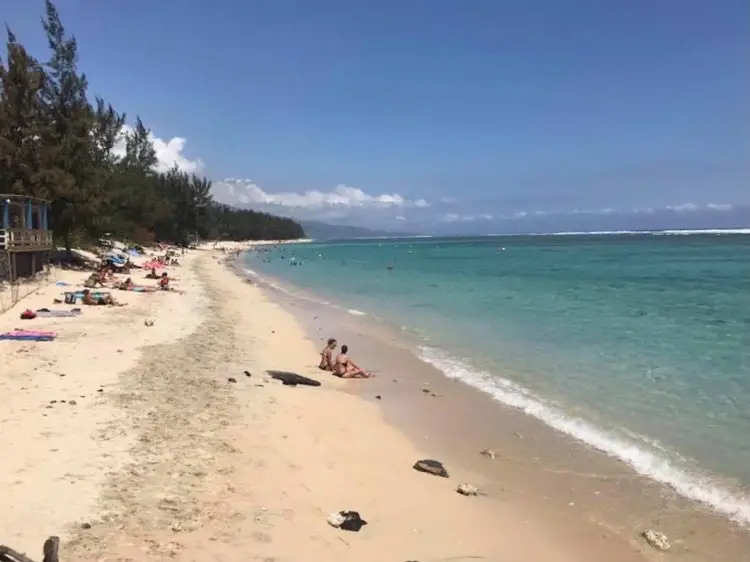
[
  {"x": 139, "y": 150},
  {"x": 21, "y": 83},
  {"x": 67, "y": 171}
]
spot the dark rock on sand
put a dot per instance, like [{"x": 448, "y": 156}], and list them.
[
  {"x": 347, "y": 520},
  {"x": 248, "y": 373},
  {"x": 292, "y": 379},
  {"x": 232, "y": 379},
  {"x": 378, "y": 397},
  {"x": 431, "y": 467}
]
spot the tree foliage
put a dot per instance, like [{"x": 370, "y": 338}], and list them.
[{"x": 58, "y": 145}]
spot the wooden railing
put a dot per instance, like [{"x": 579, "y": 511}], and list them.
[{"x": 25, "y": 240}]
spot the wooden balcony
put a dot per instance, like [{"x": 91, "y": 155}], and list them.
[{"x": 25, "y": 240}]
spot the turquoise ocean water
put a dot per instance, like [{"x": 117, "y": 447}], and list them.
[{"x": 638, "y": 344}]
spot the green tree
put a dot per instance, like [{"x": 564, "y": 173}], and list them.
[
  {"x": 21, "y": 83},
  {"x": 67, "y": 170}
]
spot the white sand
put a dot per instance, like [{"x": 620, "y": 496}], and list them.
[{"x": 174, "y": 461}]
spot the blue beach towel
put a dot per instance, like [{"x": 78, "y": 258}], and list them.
[{"x": 24, "y": 337}]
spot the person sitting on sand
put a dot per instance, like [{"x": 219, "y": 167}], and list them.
[
  {"x": 164, "y": 282},
  {"x": 153, "y": 274},
  {"x": 93, "y": 280},
  {"x": 126, "y": 285},
  {"x": 326, "y": 356},
  {"x": 346, "y": 368},
  {"x": 101, "y": 299}
]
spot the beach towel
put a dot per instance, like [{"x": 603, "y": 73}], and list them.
[{"x": 28, "y": 335}]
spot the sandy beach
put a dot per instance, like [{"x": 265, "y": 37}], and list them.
[{"x": 134, "y": 441}]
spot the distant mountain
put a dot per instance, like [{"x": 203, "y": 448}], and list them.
[{"x": 325, "y": 231}]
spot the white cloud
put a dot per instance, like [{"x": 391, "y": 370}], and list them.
[
  {"x": 168, "y": 153},
  {"x": 245, "y": 192}
]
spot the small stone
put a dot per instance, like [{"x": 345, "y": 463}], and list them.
[
  {"x": 656, "y": 539},
  {"x": 248, "y": 373},
  {"x": 336, "y": 519},
  {"x": 232, "y": 379},
  {"x": 378, "y": 397},
  {"x": 100, "y": 390},
  {"x": 426, "y": 390},
  {"x": 467, "y": 489},
  {"x": 489, "y": 453},
  {"x": 85, "y": 525},
  {"x": 72, "y": 402},
  {"x": 148, "y": 323}
]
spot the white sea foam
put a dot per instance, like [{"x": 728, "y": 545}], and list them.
[
  {"x": 716, "y": 231},
  {"x": 356, "y": 312},
  {"x": 646, "y": 462}
]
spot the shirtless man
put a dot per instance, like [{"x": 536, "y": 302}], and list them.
[
  {"x": 347, "y": 369},
  {"x": 326, "y": 356},
  {"x": 104, "y": 299}
]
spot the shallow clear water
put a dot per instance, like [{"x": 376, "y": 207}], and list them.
[{"x": 637, "y": 344}]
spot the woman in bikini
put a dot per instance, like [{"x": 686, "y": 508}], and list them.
[
  {"x": 326, "y": 356},
  {"x": 347, "y": 369}
]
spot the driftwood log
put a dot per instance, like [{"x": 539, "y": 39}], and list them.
[
  {"x": 292, "y": 379},
  {"x": 50, "y": 552}
]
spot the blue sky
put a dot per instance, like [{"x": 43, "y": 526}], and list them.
[{"x": 434, "y": 114}]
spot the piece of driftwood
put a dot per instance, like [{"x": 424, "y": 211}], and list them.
[
  {"x": 50, "y": 552},
  {"x": 292, "y": 379}
]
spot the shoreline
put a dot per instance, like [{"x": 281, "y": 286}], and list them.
[{"x": 658, "y": 504}]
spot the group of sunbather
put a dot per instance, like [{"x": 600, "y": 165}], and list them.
[
  {"x": 104, "y": 274},
  {"x": 163, "y": 284},
  {"x": 342, "y": 365}
]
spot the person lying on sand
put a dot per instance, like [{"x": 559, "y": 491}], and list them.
[
  {"x": 326, "y": 356},
  {"x": 103, "y": 299},
  {"x": 347, "y": 369}
]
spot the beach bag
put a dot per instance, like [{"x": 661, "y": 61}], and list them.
[{"x": 70, "y": 298}]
